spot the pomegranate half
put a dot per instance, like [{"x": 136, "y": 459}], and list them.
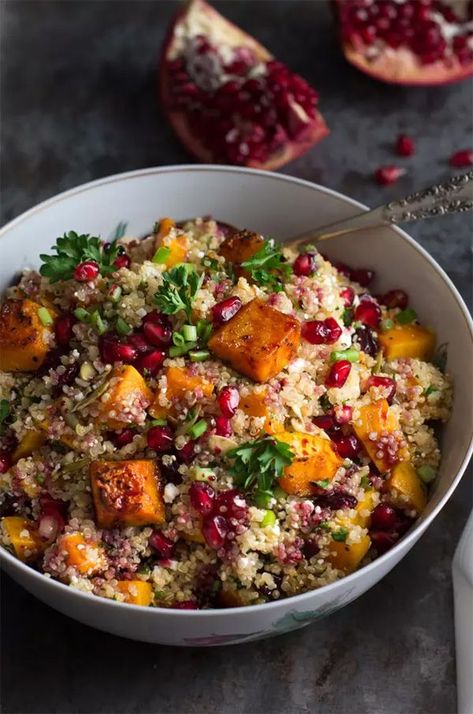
[
  {"x": 228, "y": 100},
  {"x": 413, "y": 42}
]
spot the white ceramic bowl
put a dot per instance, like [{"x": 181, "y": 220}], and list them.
[{"x": 277, "y": 206}]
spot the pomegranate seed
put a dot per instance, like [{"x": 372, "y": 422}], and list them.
[
  {"x": 368, "y": 312},
  {"x": 121, "y": 438},
  {"x": 405, "y": 145},
  {"x": 462, "y": 159},
  {"x": 151, "y": 362},
  {"x": 157, "y": 317},
  {"x": 310, "y": 548},
  {"x": 122, "y": 261},
  {"x": 362, "y": 276},
  {"x": 87, "y": 270},
  {"x": 63, "y": 330},
  {"x": 228, "y": 401},
  {"x": 214, "y": 530},
  {"x": 223, "y": 426},
  {"x": 387, "y": 175},
  {"x": 384, "y": 518},
  {"x": 325, "y": 422},
  {"x": 161, "y": 544},
  {"x": 232, "y": 504},
  {"x": 186, "y": 454},
  {"x": 367, "y": 340},
  {"x": 139, "y": 342},
  {"x": 49, "y": 526},
  {"x": 338, "y": 374},
  {"x": 113, "y": 350},
  {"x": 66, "y": 377},
  {"x": 304, "y": 265},
  {"x": 202, "y": 497},
  {"x": 348, "y": 295},
  {"x": 52, "y": 516},
  {"x": 336, "y": 500},
  {"x": 160, "y": 439},
  {"x": 383, "y": 540},
  {"x": 384, "y": 383},
  {"x": 343, "y": 414},
  {"x": 185, "y": 605},
  {"x": 394, "y": 298},
  {"x": 348, "y": 447},
  {"x": 225, "y": 310},
  {"x": 321, "y": 332},
  {"x": 5, "y": 461},
  {"x": 157, "y": 334}
]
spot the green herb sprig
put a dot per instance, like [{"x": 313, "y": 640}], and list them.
[
  {"x": 258, "y": 464},
  {"x": 179, "y": 288},
  {"x": 73, "y": 248},
  {"x": 4, "y": 414},
  {"x": 267, "y": 267}
]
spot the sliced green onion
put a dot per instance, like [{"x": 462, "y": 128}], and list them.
[
  {"x": 350, "y": 354},
  {"x": 178, "y": 351},
  {"x": 365, "y": 483},
  {"x": 199, "y": 355},
  {"x": 269, "y": 519},
  {"x": 204, "y": 330},
  {"x": 202, "y": 474},
  {"x": 406, "y": 316},
  {"x": 115, "y": 293},
  {"x": 263, "y": 499},
  {"x": 341, "y": 535},
  {"x": 161, "y": 255},
  {"x": 386, "y": 325},
  {"x": 122, "y": 327},
  {"x": 324, "y": 483},
  {"x": 82, "y": 314},
  {"x": 158, "y": 422},
  {"x": 97, "y": 321},
  {"x": 426, "y": 473},
  {"x": 178, "y": 339},
  {"x": 189, "y": 333},
  {"x": 199, "y": 428},
  {"x": 45, "y": 316}
]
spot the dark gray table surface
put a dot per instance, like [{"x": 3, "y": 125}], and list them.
[{"x": 79, "y": 102}]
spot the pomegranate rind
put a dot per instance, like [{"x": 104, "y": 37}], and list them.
[{"x": 208, "y": 19}]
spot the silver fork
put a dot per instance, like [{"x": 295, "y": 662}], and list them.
[{"x": 453, "y": 196}]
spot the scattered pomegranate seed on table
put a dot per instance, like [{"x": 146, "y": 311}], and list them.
[
  {"x": 405, "y": 145},
  {"x": 387, "y": 175},
  {"x": 462, "y": 159}
]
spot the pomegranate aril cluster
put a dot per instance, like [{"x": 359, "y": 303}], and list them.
[{"x": 224, "y": 515}]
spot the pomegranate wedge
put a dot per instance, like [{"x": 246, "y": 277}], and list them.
[
  {"x": 228, "y": 100},
  {"x": 413, "y": 42}
]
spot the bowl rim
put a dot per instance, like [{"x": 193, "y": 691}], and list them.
[{"x": 417, "y": 529}]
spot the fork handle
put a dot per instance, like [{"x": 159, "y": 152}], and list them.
[{"x": 453, "y": 196}]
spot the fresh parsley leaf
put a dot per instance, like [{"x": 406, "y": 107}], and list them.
[
  {"x": 365, "y": 483},
  {"x": 340, "y": 535},
  {"x": 72, "y": 249},
  {"x": 267, "y": 267},
  {"x": 430, "y": 390},
  {"x": 179, "y": 288},
  {"x": 258, "y": 464},
  {"x": 119, "y": 231},
  {"x": 324, "y": 483},
  {"x": 405, "y": 317}
]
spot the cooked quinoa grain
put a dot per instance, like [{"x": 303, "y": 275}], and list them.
[{"x": 220, "y": 423}]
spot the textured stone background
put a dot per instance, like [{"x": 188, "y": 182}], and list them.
[{"x": 78, "y": 91}]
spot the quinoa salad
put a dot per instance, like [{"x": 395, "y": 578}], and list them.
[{"x": 206, "y": 419}]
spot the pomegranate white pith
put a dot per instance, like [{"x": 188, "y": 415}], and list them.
[
  {"x": 421, "y": 42},
  {"x": 228, "y": 100}
]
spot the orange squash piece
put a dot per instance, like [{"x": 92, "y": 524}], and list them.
[
  {"x": 374, "y": 420},
  {"x": 241, "y": 246},
  {"x": 128, "y": 388},
  {"x": 179, "y": 381},
  {"x": 127, "y": 493},
  {"x": 84, "y": 555},
  {"x": 406, "y": 488},
  {"x": 253, "y": 405},
  {"x": 315, "y": 460},
  {"x": 178, "y": 246},
  {"x": 348, "y": 557},
  {"x": 404, "y": 341},
  {"x": 31, "y": 442},
  {"x": 258, "y": 341},
  {"x": 23, "y": 537},
  {"x": 24, "y": 340},
  {"x": 136, "y": 592}
]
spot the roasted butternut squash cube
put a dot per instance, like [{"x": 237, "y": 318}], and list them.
[
  {"x": 374, "y": 423},
  {"x": 406, "y": 488},
  {"x": 241, "y": 246},
  {"x": 230, "y": 596},
  {"x": 315, "y": 460},
  {"x": 177, "y": 245},
  {"x": 126, "y": 493},
  {"x": 179, "y": 381},
  {"x": 136, "y": 592},
  {"x": 258, "y": 341},
  {"x": 348, "y": 557},
  {"x": 24, "y": 340},
  {"x": 126, "y": 397},
  {"x": 404, "y": 341},
  {"x": 31, "y": 442},
  {"x": 254, "y": 405},
  {"x": 80, "y": 553},
  {"x": 365, "y": 507},
  {"x": 23, "y": 537}
]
